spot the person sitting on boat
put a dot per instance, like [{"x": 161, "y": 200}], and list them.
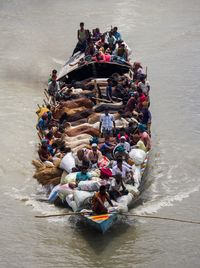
[
  {"x": 94, "y": 155},
  {"x": 137, "y": 71},
  {"x": 82, "y": 36},
  {"x": 122, "y": 133},
  {"x": 83, "y": 175},
  {"x": 144, "y": 85},
  {"x": 99, "y": 199},
  {"x": 107, "y": 148},
  {"x": 117, "y": 187},
  {"x": 146, "y": 116},
  {"x": 144, "y": 136},
  {"x": 90, "y": 50},
  {"x": 53, "y": 73},
  {"x": 107, "y": 123},
  {"x": 116, "y": 34},
  {"x": 101, "y": 43},
  {"x": 43, "y": 123},
  {"x": 81, "y": 157},
  {"x": 96, "y": 35},
  {"x": 123, "y": 142},
  {"x": 122, "y": 52},
  {"x": 111, "y": 41},
  {"x": 121, "y": 168},
  {"x": 44, "y": 153}
]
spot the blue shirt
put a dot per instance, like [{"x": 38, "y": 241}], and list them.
[
  {"x": 117, "y": 35},
  {"x": 83, "y": 176}
]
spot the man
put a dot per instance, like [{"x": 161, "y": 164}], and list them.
[
  {"x": 144, "y": 85},
  {"x": 82, "y": 36},
  {"x": 94, "y": 155},
  {"x": 43, "y": 123},
  {"x": 99, "y": 199},
  {"x": 83, "y": 175},
  {"x": 107, "y": 148},
  {"x": 53, "y": 86},
  {"x": 117, "y": 187},
  {"x": 116, "y": 34},
  {"x": 120, "y": 168},
  {"x": 107, "y": 123}
]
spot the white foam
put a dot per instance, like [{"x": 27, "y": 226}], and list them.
[
  {"x": 61, "y": 62},
  {"x": 154, "y": 205}
]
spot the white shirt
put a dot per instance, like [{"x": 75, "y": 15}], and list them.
[
  {"x": 114, "y": 185},
  {"x": 144, "y": 87},
  {"x": 116, "y": 170},
  {"x": 107, "y": 121}
]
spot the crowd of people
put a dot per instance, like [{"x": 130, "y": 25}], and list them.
[{"x": 113, "y": 144}]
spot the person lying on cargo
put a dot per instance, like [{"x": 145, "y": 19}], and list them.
[
  {"x": 107, "y": 124},
  {"x": 94, "y": 155},
  {"x": 83, "y": 175},
  {"x": 99, "y": 199},
  {"x": 117, "y": 187},
  {"x": 82, "y": 36}
]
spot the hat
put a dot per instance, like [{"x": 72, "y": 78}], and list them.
[
  {"x": 122, "y": 138},
  {"x": 94, "y": 145}
]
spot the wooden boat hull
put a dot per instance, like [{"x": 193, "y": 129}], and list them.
[{"x": 101, "y": 223}]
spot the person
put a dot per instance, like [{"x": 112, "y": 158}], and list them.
[
  {"x": 121, "y": 168},
  {"x": 96, "y": 35},
  {"x": 90, "y": 50},
  {"x": 144, "y": 85},
  {"x": 53, "y": 73},
  {"x": 111, "y": 41},
  {"x": 122, "y": 52},
  {"x": 94, "y": 155},
  {"x": 116, "y": 34},
  {"x": 109, "y": 90},
  {"x": 146, "y": 116},
  {"x": 43, "y": 123},
  {"x": 44, "y": 153},
  {"x": 83, "y": 175},
  {"x": 82, "y": 36},
  {"x": 80, "y": 158},
  {"x": 144, "y": 136},
  {"x": 99, "y": 199},
  {"x": 137, "y": 71},
  {"x": 117, "y": 187},
  {"x": 53, "y": 86},
  {"x": 107, "y": 123},
  {"x": 107, "y": 148},
  {"x": 122, "y": 144}
]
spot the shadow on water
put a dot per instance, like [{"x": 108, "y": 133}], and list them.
[{"x": 97, "y": 241}]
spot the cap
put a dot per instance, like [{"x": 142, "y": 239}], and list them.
[
  {"x": 122, "y": 138},
  {"x": 94, "y": 145}
]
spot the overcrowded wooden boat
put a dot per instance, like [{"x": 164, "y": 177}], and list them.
[{"x": 94, "y": 130}]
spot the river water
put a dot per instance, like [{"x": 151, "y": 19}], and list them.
[{"x": 37, "y": 36}]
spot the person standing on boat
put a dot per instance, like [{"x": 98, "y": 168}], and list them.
[
  {"x": 53, "y": 88},
  {"x": 82, "y": 36},
  {"x": 99, "y": 199},
  {"x": 109, "y": 90},
  {"x": 107, "y": 124}
]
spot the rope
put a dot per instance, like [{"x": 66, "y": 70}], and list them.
[{"x": 162, "y": 218}]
